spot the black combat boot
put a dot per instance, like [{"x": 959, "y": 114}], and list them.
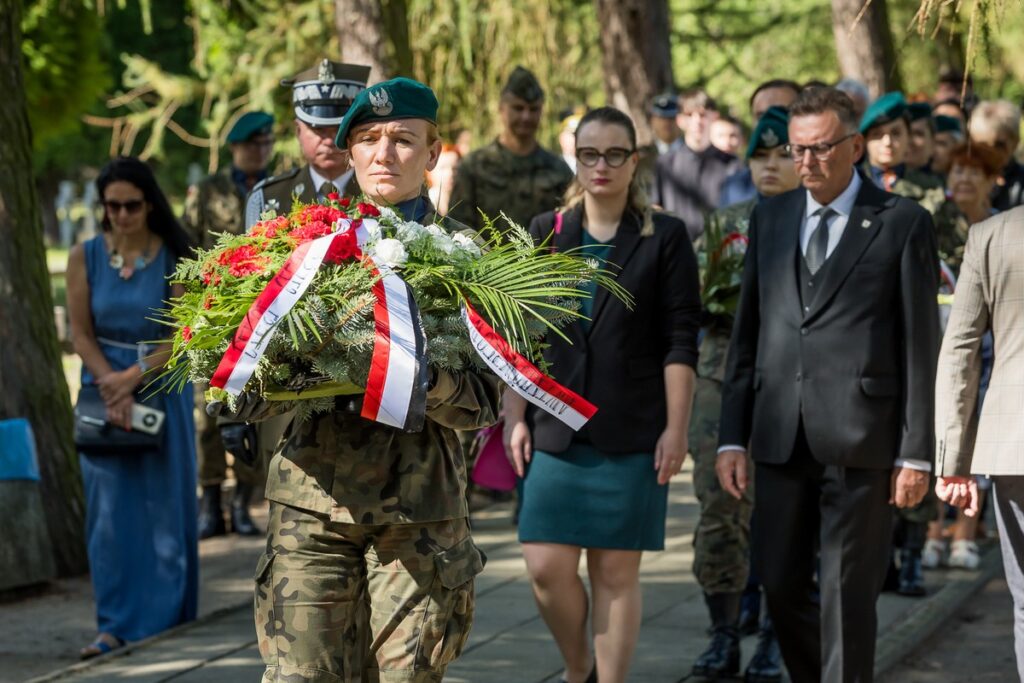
[
  {"x": 211, "y": 517},
  {"x": 766, "y": 666},
  {"x": 241, "y": 522},
  {"x": 911, "y": 576},
  {"x": 722, "y": 658}
]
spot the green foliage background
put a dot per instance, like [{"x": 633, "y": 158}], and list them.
[{"x": 168, "y": 69}]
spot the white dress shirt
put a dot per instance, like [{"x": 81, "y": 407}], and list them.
[{"x": 842, "y": 206}]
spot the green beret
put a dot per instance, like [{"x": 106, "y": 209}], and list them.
[
  {"x": 323, "y": 93},
  {"x": 251, "y": 124},
  {"x": 524, "y": 85},
  {"x": 919, "y": 110},
  {"x": 948, "y": 124},
  {"x": 772, "y": 130},
  {"x": 888, "y": 107},
  {"x": 399, "y": 98}
]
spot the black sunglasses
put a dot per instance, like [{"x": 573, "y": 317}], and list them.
[
  {"x": 131, "y": 206},
  {"x": 613, "y": 156}
]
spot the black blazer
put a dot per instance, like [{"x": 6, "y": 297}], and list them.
[
  {"x": 859, "y": 367},
  {"x": 619, "y": 365}
]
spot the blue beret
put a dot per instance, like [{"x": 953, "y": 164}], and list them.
[
  {"x": 888, "y": 107},
  {"x": 251, "y": 124},
  {"x": 772, "y": 130},
  {"x": 948, "y": 124},
  {"x": 399, "y": 98},
  {"x": 666, "y": 106}
]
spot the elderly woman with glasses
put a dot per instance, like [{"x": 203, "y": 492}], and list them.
[{"x": 604, "y": 489}]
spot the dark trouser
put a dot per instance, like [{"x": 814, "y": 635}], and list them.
[
  {"x": 804, "y": 507},
  {"x": 1009, "y": 504}
]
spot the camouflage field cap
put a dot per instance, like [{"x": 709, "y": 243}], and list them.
[
  {"x": 251, "y": 124},
  {"x": 524, "y": 85},
  {"x": 323, "y": 93},
  {"x": 399, "y": 98},
  {"x": 772, "y": 130}
]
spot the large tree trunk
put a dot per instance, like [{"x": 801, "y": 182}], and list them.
[
  {"x": 361, "y": 35},
  {"x": 865, "y": 47},
  {"x": 31, "y": 373},
  {"x": 636, "y": 56}
]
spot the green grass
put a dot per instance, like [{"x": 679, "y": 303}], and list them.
[{"x": 57, "y": 262}]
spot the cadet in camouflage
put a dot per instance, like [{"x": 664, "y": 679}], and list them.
[
  {"x": 215, "y": 205},
  {"x": 369, "y": 568},
  {"x": 513, "y": 174},
  {"x": 721, "y": 541}
]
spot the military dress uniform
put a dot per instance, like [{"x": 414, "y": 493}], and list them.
[
  {"x": 494, "y": 180},
  {"x": 369, "y": 566},
  {"x": 321, "y": 95},
  {"x": 215, "y": 205}
]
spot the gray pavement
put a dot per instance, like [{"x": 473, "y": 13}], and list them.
[{"x": 509, "y": 642}]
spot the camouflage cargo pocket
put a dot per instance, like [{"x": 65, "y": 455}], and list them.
[
  {"x": 449, "y": 616},
  {"x": 263, "y": 608}
]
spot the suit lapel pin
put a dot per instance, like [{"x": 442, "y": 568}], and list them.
[{"x": 865, "y": 224}]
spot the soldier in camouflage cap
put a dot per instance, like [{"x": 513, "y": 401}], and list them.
[
  {"x": 721, "y": 541},
  {"x": 215, "y": 205},
  {"x": 513, "y": 174},
  {"x": 369, "y": 570},
  {"x": 321, "y": 95}
]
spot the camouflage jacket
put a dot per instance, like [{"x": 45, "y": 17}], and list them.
[
  {"x": 494, "y": 180},
  {"x": 213, "y": 205},
  {"x": 362, "y": 472},
  {"x": 277, "y": 193},
  {"x": 923, "y": 187},
  {"x": 951, "y": 235}
]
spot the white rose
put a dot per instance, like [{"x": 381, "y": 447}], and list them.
[
  {"x": 466, "y": 243},
  {"x": 390, "y": 252}
]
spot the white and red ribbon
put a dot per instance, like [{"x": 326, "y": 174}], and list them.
[{"x": 523, "y": 376}]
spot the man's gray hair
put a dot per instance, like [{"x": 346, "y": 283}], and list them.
[
  {"x": 854, "y": 88},
  {"x": 1002, "y": 116}
]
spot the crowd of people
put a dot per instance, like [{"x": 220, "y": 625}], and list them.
[{"x": 791, "y": 282}]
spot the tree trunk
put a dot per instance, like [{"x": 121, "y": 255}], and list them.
[
  {"x": 865, "y": 48},
  {"x": 31, "y": 372},
  {"x": 636, "y": 57},
  {"x": 360, "y": 33}
]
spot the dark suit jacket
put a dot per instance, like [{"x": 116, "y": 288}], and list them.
[
  {"x": 619, "y": 365},
  {"x": 688, "y": 183},
  {"x": 859, "y": 367}
]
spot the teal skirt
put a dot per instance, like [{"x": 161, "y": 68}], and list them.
[{"x": 587, "y": 498}]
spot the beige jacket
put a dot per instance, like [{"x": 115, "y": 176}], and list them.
[{"x": 989, "y": 296}]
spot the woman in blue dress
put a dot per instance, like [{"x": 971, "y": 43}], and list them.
[{"x": 140, "y": 509}]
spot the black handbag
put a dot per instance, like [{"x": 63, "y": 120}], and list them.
[{"x": 95, "y": 436}]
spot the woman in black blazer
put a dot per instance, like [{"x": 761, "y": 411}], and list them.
[{"x": 604, "y": 489}]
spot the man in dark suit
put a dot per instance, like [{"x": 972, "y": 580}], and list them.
[{"x": 830, "y": 380}]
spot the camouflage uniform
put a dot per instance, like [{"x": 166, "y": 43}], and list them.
[
  {"x": 721, "y": 541},
  {"x": 494, "y": 180},
  {"x": 212, "y": 206},
  {"x": 369, "y": 567},
  {"x": 951, "y": 234},
  {"x": 924, "y": 188}
]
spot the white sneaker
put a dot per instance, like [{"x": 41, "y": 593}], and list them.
[
  {"x": 964, "y": 555},
  {"x": 933, "y": 553}
]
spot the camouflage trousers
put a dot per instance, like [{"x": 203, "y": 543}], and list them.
[
  {"x": 356, "y": 603},
  {"x": 721, "y": 541}
]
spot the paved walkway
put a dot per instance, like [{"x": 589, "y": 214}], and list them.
[{"x": 510, "y": 643}]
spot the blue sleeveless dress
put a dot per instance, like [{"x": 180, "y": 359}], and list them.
[{"x": 141, "y": 510}]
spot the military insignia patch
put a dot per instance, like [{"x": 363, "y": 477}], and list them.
[
  {"x": 326, "y": 73},
  {"x": 769, "y": 138},
  {"x": 381, "y": 102}
]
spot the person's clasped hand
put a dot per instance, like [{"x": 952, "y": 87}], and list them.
[
  {"x": 961, "y": 492},
  {"x": 117, "y": 389}
]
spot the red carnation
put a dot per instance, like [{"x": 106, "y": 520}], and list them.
[
  {"x": 345, "y": 202},
  {"x": 186, "y": 333},
  {"x": 333, "y": 196},
  {"x": 343, "y": 248},
  {"x": 310, "y": 231},
  {"x": 367, "y": 209}
]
